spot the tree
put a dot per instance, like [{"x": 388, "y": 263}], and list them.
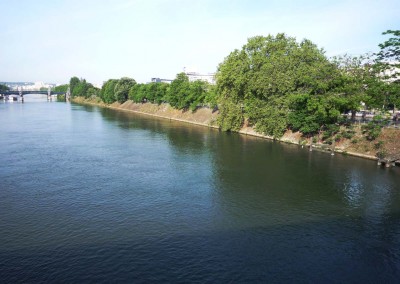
[
  {"x": 73, "y": 82},
  {"x": 269, "y": 115},
  {"x": 137, "y": 94},
  {"x": 155, "y": 92},
  {"x": 211, "y": 98},
  {"x": 179, "y": 91},
  {"x": 197, "y": 94},
  {"x": 122, "y": 88},
  {"x": 389, "y": 55},
  {"x": 388, "y": 64},
  {"x": 311, "y": 114},
  {"x": 4, "y": 88},
  {"x": 357, "y": 81},
  {"x": 107, "y": 94},
  {"x": 261, "y": 76},
  {"x": 61, "y": 88},
  {"x": 231, "y": 86},
  {"x": 160, "y": 92},
  {"x": 81, "y": 88},
  {"x": 92, "y": 91}
]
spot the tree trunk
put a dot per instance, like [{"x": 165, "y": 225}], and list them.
[{"x": 353, "y": 115}]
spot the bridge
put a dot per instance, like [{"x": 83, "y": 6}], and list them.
[{"x": 21, "y": 93}]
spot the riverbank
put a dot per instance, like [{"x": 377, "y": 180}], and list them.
[{"x": 208, "y": 118}]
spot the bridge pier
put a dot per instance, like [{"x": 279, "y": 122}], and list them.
[
  {"x": 49, "y": 94},
  {"x": 68, "y": 95}
]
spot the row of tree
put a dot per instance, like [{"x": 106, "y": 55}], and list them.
[
  {"x": 180, "y": 94},
  {"x": 274, "y": 83}
]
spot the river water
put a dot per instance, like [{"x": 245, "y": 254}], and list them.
[{"x": 97, "y": 195}]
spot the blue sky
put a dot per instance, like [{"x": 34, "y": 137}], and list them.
[{"x": 52, "y": 41}]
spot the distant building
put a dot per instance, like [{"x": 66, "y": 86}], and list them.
[
  {"x": 35, "y": 87},
  {"x": 28, "y": 86},
  {"x": 196, "y": 76},
  {"x": 158, "y": 80}
]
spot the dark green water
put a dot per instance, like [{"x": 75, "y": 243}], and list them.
[{"x": 96, "y": 195}]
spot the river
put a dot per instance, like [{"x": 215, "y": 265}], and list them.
[{"x": 97, "y": 195}]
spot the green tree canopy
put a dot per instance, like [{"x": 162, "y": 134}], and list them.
[
  {"x": 261, "y": 76},
  {"x": 183, "y": 94},
  {"x": 4, "y": 88},
  {"x": 358, "y": 81},
  {"x": 61, "y": 88},
  {"x": 92, "y": 91},
  {"x": 122, "y": 88},
  {"x": 138, "y": 93},
  {"x": 390, "y": 49},
  {"x": 154, "y": 92},
  {"x": 178, "y": 91},
  {"x": 107, "y": 93},
  {"x": 73, "y": 82},
  {"x": 81, "y": 88},
  {"x": 388, "y": 62}
]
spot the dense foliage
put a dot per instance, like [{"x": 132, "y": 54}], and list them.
[
  {"x": 81, "y": 88},
  {"x": 272, "y": 77},
  {"x": 107, "y": 93},
  {"x": 61, "y": 88},
  {"x": 183, "y": 94},
  {"x": 276, "y": 83},
  {"x": 388, "y": 63},
  {"x": 122, "y": 88},
  {"x": 152, "y": 92}
]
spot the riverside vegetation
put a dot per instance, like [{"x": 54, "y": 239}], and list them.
[{"x": 277, "y": 85}]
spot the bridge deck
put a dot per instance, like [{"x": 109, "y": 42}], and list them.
[{"x": 7, "y": 93}]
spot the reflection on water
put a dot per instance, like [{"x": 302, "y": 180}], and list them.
[
  {"x": 103, "y": 195},
  {"x": 353, "y": 189},
  {"x": 370, "y": 195}
]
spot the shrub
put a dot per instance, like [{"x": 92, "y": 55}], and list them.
[
  {"x": 378, "y": 145},
  {"x": 371, "y": 131},
  {"x": 348, "y": 134},
  {"x": 381, "y": 154},
  {"x": 330, "y": 130}
]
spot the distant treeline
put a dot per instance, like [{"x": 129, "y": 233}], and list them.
[
  {"x": 275, "y": 83},
  {"x": 4, "y": 88},
  {"x": 180, "y": 93}
]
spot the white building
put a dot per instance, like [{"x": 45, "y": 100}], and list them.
[{"x": 196, "y": 76}]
